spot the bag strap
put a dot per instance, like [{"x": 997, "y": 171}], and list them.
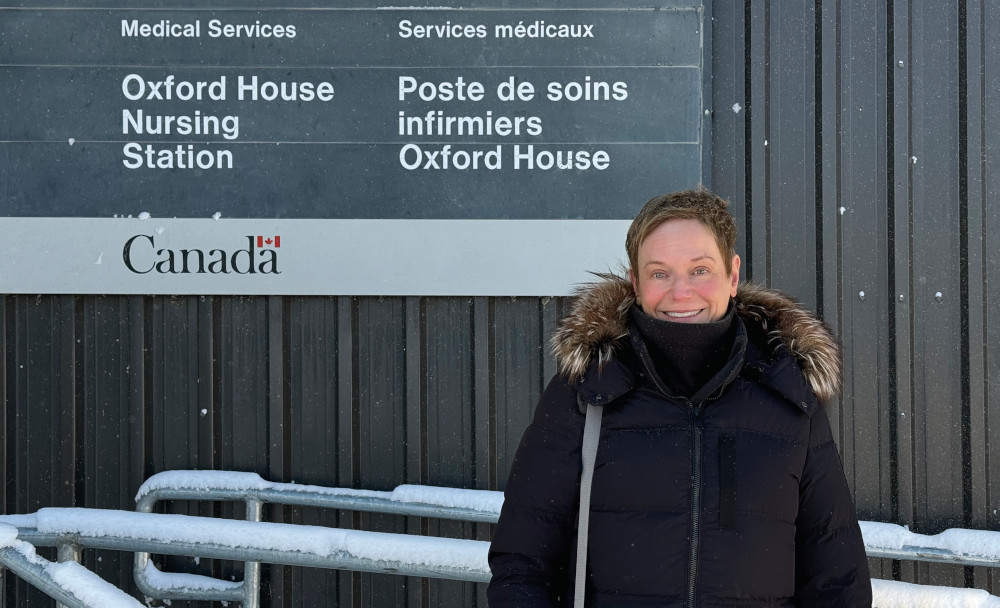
[{"x": 591, "y": 437}]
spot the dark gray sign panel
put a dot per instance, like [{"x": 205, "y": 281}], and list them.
[{"x": 439, "y": 115}]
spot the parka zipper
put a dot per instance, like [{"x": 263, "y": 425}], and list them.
[
  {"x": 695, "y": 506},
  {"x": 696, "y": 473}
]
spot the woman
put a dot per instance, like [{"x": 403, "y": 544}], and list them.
[{"x": 716, "y": 480}]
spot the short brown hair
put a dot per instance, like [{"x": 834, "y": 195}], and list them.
[{"x": 699, "y": 205}]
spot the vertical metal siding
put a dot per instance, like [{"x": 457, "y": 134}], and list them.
[
  {"x": 901, "y": 211},
  {"x": 983, "y": 81},
  {"x": 859, "y": 159}
]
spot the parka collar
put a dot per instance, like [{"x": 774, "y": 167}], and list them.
[{"x": 598, "y": 322}]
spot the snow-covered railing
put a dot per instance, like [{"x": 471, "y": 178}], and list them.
[
  {"x": 255, "y": 541},
  {"x": 249, "y": 488},
  {"x": 252, "y": 541},
  {"x": 955, "y": 546},
  {"x": 67, "y": 582}
]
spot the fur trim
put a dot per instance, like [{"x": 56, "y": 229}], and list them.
[{"x": 598, "y": 319}]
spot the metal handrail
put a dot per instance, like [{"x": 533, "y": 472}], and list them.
[
  {"x": 465, "y": 505},
  {"x": 254, "y": 492},
  {"x": 318, "y": 547},
  {"x": 195, "y": 536},
  {"x": 19, "y": 557}
]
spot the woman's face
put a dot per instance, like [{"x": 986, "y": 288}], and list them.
[{"x": 682, "y": 276}]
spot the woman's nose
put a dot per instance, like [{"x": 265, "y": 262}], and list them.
[{"x": 680, "y": 290}]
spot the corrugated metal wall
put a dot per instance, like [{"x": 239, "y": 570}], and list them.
[
  {"x": 855, "y": 141},
  {"x": 861, "y": 157}
]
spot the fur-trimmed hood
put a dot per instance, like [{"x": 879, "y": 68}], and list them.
[{"x": 599, "y": 318}]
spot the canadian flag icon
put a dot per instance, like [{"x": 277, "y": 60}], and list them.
[{"x": 268, "y": 241}]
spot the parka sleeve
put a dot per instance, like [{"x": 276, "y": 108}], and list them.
[
  {"x": 831, "y": 568},
  {"x": 533, "y": 542}
]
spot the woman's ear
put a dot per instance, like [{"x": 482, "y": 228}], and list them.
[{"x": 734, "y": 278}]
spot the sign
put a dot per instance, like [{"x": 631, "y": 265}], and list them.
[{"x": 425, "y": 142}]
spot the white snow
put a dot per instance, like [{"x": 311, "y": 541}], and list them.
[
  {"x": 8, "y": 534},
  {"x": 89, "y": 587},
  {"x": 737, "y": 107},
  {"x": 192, "y": 582},
  {"x": 21, "y": 521},
  {"x": 202, "y": 480},
  {"x": 321, "y": 541},
  {"x": 144, "y": 216},
  {"x": 216, "y": 215},
  {"x": 477, "y": 500},
  {"x": 896, "y": 594},
  {"x": 980, "y": 544},
  {"x": 77, "y": 580}
]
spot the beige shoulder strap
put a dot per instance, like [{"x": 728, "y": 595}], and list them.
[{"x": 591, "y": 437}]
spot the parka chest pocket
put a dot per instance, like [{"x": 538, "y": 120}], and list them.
[
  {"x": 757, "y": 476},
  {"x": 642, "y": 470}
]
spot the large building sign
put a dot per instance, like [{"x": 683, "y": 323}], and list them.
[{"x": 361, "y": 150}]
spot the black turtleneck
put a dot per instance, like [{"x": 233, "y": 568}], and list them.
[{"x": 686, "y": 355}]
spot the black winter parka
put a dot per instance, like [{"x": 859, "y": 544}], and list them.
[{"x": 736, "y": 500}]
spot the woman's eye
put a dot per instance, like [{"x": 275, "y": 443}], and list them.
[
  {"x": 659, "y": 275},
  {"x": 701, "y": 271}
]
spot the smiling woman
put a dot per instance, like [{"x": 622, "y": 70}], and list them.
[{"x": 711, "y": 448}]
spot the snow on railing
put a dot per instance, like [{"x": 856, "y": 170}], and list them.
[
  {"x": 968, "y": 547},
  {"x": 255, "y": 541},
  {"x": 69, "y": 583},
  {"x": 424, "y": 501},
  {"x": 254, "y": 492},
  {"x": 896, "y": 594}
]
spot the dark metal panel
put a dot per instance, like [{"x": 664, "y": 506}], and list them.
[
  {"x": 729, "y": 111},
  {"x": 450, "y": 450},
  {"x": 828, "y": 111},
  {"x": 937, "y": 342},
  {"x": 107, "y": 477},
  {"x": 382, "y": 422},
  {"x": 553, "y": 309},
  {"x": 519, "y": 381},
  {"x": 900, "y": 272},
  {"x": 866, "y": 417},
  {"x": 418, "y": 590},
  {"x": 348, "y": 428},
  {"x": 984, "y": 276},
  {"x": 791, "y": 150},
  {"x": 828, "y": 115},
  {"x": 44, "y": 443},
  {"x": 757, "y": 262},
  {"x": 278, "y": 417},
  {"x": 242, "y": 383},
  {"x": 485, "y": 405},
  {"x": 8, "y": 329},
  {"x": 44, "y": 458},
  {"x": 449, "y": 422},
  {"x": 485, "y": 411},
  {"x": 310, "y": 344},
  {"x": 174, "y": 367}
]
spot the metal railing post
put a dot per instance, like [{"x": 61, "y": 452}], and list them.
[
  {"x": 251, "y": 570},
  {"x": 68, "y": 552}
]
